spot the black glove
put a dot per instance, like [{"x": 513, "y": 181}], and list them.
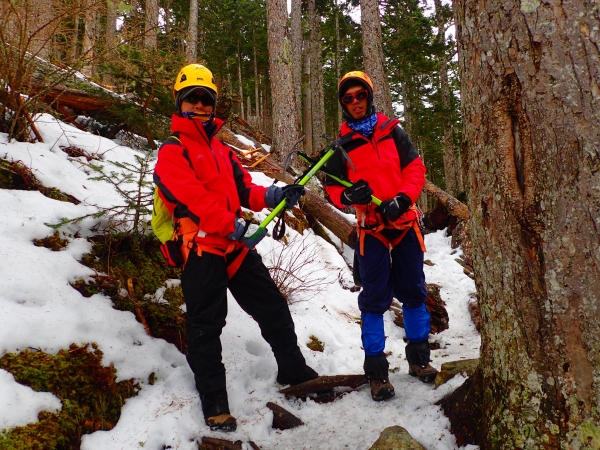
[
  {"x": 291, "y": 192},
  {"x": 243, "y": 232},
  {"x": 357, "y": 194},
  {"x": 395, "y": 207}
]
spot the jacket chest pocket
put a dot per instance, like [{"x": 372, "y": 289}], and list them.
[{"x": 206, "y": 169}]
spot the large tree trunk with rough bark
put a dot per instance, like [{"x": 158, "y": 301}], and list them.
[
  {"x": 373, "y": 55},
  {"x": 531, "y": 109},
  {"x": 286, "y": 125}
]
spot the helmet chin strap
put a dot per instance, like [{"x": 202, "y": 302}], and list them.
[{"x": 191, "y": 115}]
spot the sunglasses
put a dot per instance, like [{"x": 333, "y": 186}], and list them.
[
  {"x": 360, "y": 95},
  {"x": 194, "y": 99}
]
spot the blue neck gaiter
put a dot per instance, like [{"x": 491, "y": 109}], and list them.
[{"x": 364, "y": 126}]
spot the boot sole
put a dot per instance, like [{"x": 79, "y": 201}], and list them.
[{"x": 424, "y": 378}]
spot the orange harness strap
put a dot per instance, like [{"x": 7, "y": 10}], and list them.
[
  {"x": 189, "y": 231},
  {"x": 390, "y": 244}
]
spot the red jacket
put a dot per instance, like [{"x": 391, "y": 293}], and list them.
[
  {"x": 388, "y": 161},
  {"x": 202, "y": 179}
]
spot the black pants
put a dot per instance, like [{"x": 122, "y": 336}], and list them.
[{"x": 204, "y": 282}]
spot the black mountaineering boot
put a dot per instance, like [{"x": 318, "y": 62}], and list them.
[{"x": 215, "y": 407}]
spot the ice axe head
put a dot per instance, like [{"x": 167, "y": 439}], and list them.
[
  {"x": 288, "y": 157},
  {"x": 336, "y": 145}
]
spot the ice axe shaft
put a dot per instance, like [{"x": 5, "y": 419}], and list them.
[
  {"x": 343, "y": 182},
  {"x": 318, "y": 164}
]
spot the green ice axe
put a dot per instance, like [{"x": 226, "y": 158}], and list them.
[
  {"x": 316, "y": 165},
  {"x": 343, "y": 182}
]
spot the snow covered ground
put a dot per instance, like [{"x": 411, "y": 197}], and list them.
[{"x": 39, "y": 309}]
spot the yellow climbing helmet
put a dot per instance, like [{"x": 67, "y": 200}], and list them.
[{"x": 194, "y": 75}]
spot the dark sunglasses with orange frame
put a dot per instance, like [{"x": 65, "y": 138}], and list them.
[
  {"x": 360, "y": 95},
  {"x": 195, "y": 98}
]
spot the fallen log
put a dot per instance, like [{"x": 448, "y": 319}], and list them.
[
  {"x": 282, "y": 418},
  {"x": 453, "y": 205},
  {"x": 256, "y": 134},
  {"x": 210, "y": 443},
  {"x": 323, "y": 384}
]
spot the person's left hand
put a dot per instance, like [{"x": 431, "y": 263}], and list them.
[
  {"x": 291, "y": 192},
  {"x": 393, "y": 208}
]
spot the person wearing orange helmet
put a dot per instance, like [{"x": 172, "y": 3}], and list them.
[
  {"x": 390, "y": 249},
  {"x": 204, "y": 187}
]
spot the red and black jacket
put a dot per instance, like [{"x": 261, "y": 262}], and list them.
[
  {"x": 200, "y": 178},
  {"x": 387, "y": 160}
]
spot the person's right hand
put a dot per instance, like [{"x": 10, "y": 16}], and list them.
[{"x": 357, "y": 194}]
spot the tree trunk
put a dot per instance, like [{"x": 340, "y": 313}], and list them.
[
  {"x": 373, "y": 55},
  {"x": 89, "y": 38},
  {"x": 316, "y": 77},
  {"x": 447, "y": 140},
  {"x": 306, "y": 102},
  {"x": 256, "y": 80},
  {"x": 111, "y": 28},
  {"x": 192, "y": 41},
  {"x": 296, "y": 31},
  {"x": 240, "y": 85},
  {"x": 151, "y": 29},
  {"x": 531, "y": 110},
  {"x": 338, "y": 73},
  {"x": 286, "y": 126}
]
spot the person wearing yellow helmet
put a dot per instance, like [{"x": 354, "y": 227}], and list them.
[
  {"x": 389, "y": 251},
  {"x": 204, "y": 187}
]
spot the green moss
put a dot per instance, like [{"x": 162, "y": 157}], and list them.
[
  {"x": 91, "y": 398},
  {"x": 315, "y": 344},
  {"x": 590, "y": 434},
  {"x": 54, "y": 242},
  {"x": 122, "y": 257}
]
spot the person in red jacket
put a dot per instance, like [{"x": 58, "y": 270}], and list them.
[
  {"x": 390, "y": 248},
  {"x": 204, "y": 186}
]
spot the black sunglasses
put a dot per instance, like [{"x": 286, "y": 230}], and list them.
[
  {"x": 194, "y": 99},
  {"x": 360, "y": 95}
]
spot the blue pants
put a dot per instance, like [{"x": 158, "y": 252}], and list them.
[{"x": 385, "y": 275}]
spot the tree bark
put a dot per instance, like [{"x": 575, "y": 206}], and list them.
[
  {"x": 338, "y": 73},
  {"x": 296, "y": 33},
  {"x": 286, "y": 125},
  {"x": 89, "y": 38},
  {"x": 306, "y": 102},
  {"x": 531, "y": 110},
  {"x": 111, "y": 28},
  {"x": 240, "y": 85},
  {"x": 316, "y": 77},
  {"x": 151, "y": 29},
  {"x": 447, "y": 139},
  {"x": 373, "y": 55},
  {"x": 256, "y": 80},
  {"x": 192, "y": 41}
]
